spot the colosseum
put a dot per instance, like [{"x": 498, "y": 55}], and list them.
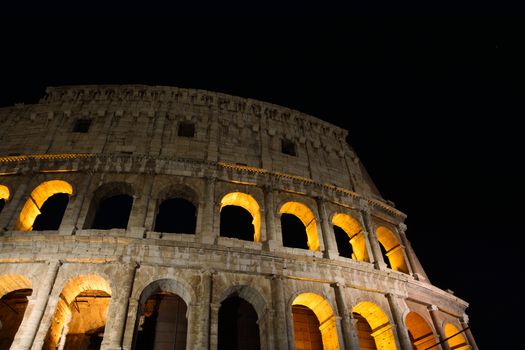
[{"x": 149, "y": 217}]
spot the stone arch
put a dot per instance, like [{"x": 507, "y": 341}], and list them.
[
  {"x": 307, "y": 217},
  {"x": 457, "y": 341},
  {"x": 419, "y": 330},
  {"x": 84, "y": 286},
  {"x": 104, "y": 192},
  {"x": 355, "y": 233},
  {"x": 381, "y": 328},
  {"x": 182, "y": 199},
  {"x": 37, "y": 198},
  {"x": 4, "y": 196},
  {"x": 393, "y": 248},
  {"x": 171, "y": 285},
  {"x": 249, "y": 203},
  {"x": 14, "y": 293},
  {"x": 250, "y": 294},
  {"x": 324, "y": 313}
]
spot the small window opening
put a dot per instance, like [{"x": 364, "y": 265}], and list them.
[
  {"x": 288, "y": 147},
  {"x": 236, "y": 222},
  {"x": 82, "y": 125},
  {"x": 113, "y": 212},
  {"x": 176, "y": 215},
  {"x": 343, "y": 243},
  {"x": 51, "y": 212},
  {"x": 186, "y": 129},
  {"x": 294, "y": 232}
]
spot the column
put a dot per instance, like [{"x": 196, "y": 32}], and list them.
[
  {"x": 12, "y": 208},
  {"x": 378, "y": 261},
  {"x": 35, "y": 309},
  {"x": 214, "y": 325},
  {"x": 129, "y": 332},
  {"x": 273, "y": 238},
  {"x": 351, "y": 340},
  {"x": 401, "y": 228},
  {"x": 401, "y": 328},
  {"x": 137, "y": 217},
  {"x": 330, "y": 245},
  {"x": 116, "y": 319},
  {"x": 279, "y": 306},
  {"x": 433, "y": 310},
  {"x": 69, "y": 222},
  {"x": 208, "y": 233},
  {"x": 468, "y": 333},
  {"x": 205, "y": 305}
]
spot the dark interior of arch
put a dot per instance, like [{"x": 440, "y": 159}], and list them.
[
  {"x": 236, "y": 222},
  {"x": 294, "y": 232},
  {"x": 113, "y": 212},
  {"x": 12, "y": 308},
  {"x": 385, "y": 257},
  {"x": 343, "y": 242},
  {"x": 2, "y": 204},
  {"x": 364, "y": 333},
  {"x": 176, "y": 215},
  {"x": 238, "y": 328},
  {"x": 306, "y": 329},
  {"x": 163, "y": 323},
  {"x": 51, "y": 212}
]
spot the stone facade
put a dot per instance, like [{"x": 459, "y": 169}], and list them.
[{"x": 100, "y": 140}]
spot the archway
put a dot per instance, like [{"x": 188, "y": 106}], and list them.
[
  {"x": 176, "y": 215},
  {"x": 307, "y": 218},
  {"x": 238, "y": 325},
  {"x": 393, "y": 249},
  {"x": 355, "y": 237},
  {"x": 306, "y": 336},
  {"x": 380, "y": 328},
  {"x": 231, "y": 213},
  {"x": 457, "y": 340},
  {"x": 14, "y": 291},
  {"x": 4, "y": 196},
  {"x": 33, "y": 207},
  {"x": 421, "y": 335},
  {"x": 110, "y": 207},
  {"x": 80, "y": 315}
]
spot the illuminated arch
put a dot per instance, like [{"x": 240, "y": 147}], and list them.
[
  {"x": 382, "y": 330},
  {"x": 14, "y": 293},
  {"x": 355, "y": 233},
  {"x": 458, "y": 341},
  {"x": 10, "y": 283},
  {"x": 324, "y": 313},
  {"x": 421, "y": 335},
  {"x": 307, "y": 218},
  {"x": 37, "y": 198},
  {"x": 393, "y": 248},
  {"x": 62, "y": 314},
  {"x": 247, "y": 202},
  {"x": 4, "y": 192}
]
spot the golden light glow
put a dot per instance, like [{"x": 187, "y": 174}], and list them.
[
  {"x": 421, "y": 334},
  {"x": 324, "y": 313},
  {"x": 247, "y": 202},
  {"x": 37, "y": 198},
  {"x": 307, "y": 218},
  {"x": 10, "y": 283},
  {"x": 4, "y": 192},
  {"x": 457, "y": 342},
  {"x": 355, "y": 234},
  {"x": 394, "y": 252},
  {"x": 382, "y": 331}
]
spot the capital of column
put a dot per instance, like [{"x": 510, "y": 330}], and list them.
[
  {"x": 215, "y": 306},
  {"x": 432, "y": 308},
  {"x": 465, "y": 318},
  {"x": 402, "y": 228}
]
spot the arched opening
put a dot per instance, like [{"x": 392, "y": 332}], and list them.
[
  {"x": 80, "y": 315},
  {"x": 52, "y": 212},
  {"x": 240, "y": 217},
  {"x": 110, "y": 207},
  {"x": 14, "y": 290},
  {"x": 393, "y": 249},
  {"x": 293, "y": 234},
  {"x": 4, "y": 196},
  {"x": 364, "y": 333},
  {"x": 379, "y": 328},
  {"x": 421, "y": 335},
  {"x": 458, "y": 341},
  {"x": 162, "y": 323},
  {"x": 176, "y": 215},
  {"x": 306, "y": 336},
  {"x": 238, "y": 325},
  {"x": 350, "y": 238}
]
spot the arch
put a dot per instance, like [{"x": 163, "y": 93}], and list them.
[
  {"x": 114, "y": 197},
  {"x": 381, "y": 328},
  {"x": 238, "y": 326},
  {"x": 324, "y": 314},
  {"x": 10, "y": 283},
  {"x": 421, "y": 335},
  {"x": 393, "y": 249},
  {"x": 179, "y": 191},
  {"x": 12, "y": 308},
  {"x": 247, "y": 202},
  {"x": 4, "y": 196},
  {"x": 356, "y": 236},
  {"x": 247, "y": 293},
  {"x": 168, "y": 285},
  {"x": 458, "y": 341},
  {"x": 37, "y": 198},
  {"x": 308, "y": 219},
  {"x": 73, "y": 326}
]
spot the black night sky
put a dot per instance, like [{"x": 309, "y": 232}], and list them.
[{"x": 433, "y": 107}]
